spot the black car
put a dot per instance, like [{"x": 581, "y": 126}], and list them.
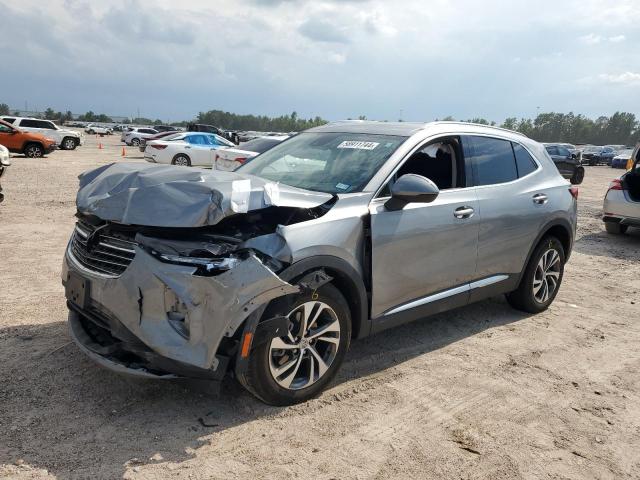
[
  {"x": 201, "y": 127},
  {"x": 594, "y": 155},
  {"x": 164, "y": 128},
  {"x": 567, "y": 163}
]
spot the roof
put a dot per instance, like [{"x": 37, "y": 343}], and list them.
[{"x": 405, "y": 129}]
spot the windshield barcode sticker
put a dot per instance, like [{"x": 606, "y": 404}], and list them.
[{"x": 358, "y": 145}]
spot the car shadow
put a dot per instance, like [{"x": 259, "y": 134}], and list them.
[
  {"x": 603, "y": 244},
  {"x": 63, "y": 413}
]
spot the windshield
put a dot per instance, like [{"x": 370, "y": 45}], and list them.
[{"x": 325, "y": 162}]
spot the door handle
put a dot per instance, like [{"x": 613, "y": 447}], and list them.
[
  {"x": 539, "y": 199},
  {"x": 463, "y": 212},
  {"x": 187, "y": 147}
]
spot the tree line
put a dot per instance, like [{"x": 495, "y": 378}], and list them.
[{"x": 619, "y": 128}]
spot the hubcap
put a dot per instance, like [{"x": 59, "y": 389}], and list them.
[
  {"x": 69, "y": 144},
  {"x": 547, "y": 276},
  {"x": 304, "y": 356}
]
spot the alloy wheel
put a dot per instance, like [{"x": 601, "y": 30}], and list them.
[
  {"x": 547, "y": 276},
  {"x": 182, "y": 161},
  {"x": 34, "y": 152},
  {"x": 69, "y": 143},
  {"x": 301, "y": 358}
]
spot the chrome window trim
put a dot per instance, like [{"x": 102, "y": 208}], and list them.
[{"x": 485, "y": 282}]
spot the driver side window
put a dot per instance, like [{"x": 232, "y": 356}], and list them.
[{"x": 440, "y": 161}]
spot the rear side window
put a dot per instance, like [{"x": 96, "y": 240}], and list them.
[
  {"x": 525, "y": 163},
  {"x": 492, "y": 159},
  {"x": 8, "y": 119},
  {"x": 31, "y": 123}
]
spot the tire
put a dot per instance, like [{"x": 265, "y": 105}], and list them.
[
  {"x": 69, "y": 143},
  {"x": 578, "y": 176},
  {"x": 615, "y": 228},
  {"x": 181, "y": 160},
  {"x": 33, "y": 150},
  {"x": 265, "y": 377},
  {"x": 545, "y": 269},
  {"x": 135, "y": 142},
  {"x": 91, "y": 132}
]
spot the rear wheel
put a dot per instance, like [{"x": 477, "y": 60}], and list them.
[
  {"x": 181, "y": 160},
  {"x": 297, "y": 367},
  {"x": 135, "y": 142},
  {"x": 542, "y": 277},
  {"x": 615, "y": 228},
  {"x": 577, "y": 177},
  {"x": 33, "y": 150}
]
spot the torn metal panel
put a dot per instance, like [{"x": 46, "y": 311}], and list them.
[
  {"x": 214, "y": 307},
  {"x": 165, "y": 196}
]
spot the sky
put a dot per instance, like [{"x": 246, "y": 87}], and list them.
[{"x": 411, "y": 59}]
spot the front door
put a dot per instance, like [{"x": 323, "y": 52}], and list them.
[
  {"x": 426, "y": 251},
  {"x": 200, "y": 150},
  {"x": 10, "y": 138}
]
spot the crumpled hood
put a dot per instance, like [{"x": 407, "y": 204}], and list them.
[{"x": 169, "y": 196}]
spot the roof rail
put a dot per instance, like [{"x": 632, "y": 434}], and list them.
[{"x": 480, "y": 125}]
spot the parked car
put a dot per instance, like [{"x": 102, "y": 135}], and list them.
[
  {"x": 157, "y": 136},
  {"x": 567, "y": 162},
  {"x": 136, "y": 135},
  {"x": 230, "y": 159},
  {"x": 228, "y": 134},
  {"x": 66, "y": 139},
  {"x": 98, "y": 130},
  {"x": 594, "y": 155},
  {"x": 622, "y": 201},
  {"x": 186, "y": 149},
  {"x": 4, "y": 164},
  {"x": 164, "y": 128},
  {"x": 622, "y": 158},
  {"x": 340, "y": 232},
  {"x": 33, "y": 145}
]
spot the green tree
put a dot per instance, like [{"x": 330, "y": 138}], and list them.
[
  {"x": 4, "y": 109},
  {"x": 49, "y": 114}
]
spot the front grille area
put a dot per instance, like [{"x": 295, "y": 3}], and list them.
[{"x": 100, "y": 250}]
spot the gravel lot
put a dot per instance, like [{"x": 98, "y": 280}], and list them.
[{"x": 480, "y": 392}]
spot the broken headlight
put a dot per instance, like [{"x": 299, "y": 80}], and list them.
[{"x": 209, "y": 265}]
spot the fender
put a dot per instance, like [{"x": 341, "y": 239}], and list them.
[
  {"x": 558, "y": 222},
  {"x": 345, "y": 277}
]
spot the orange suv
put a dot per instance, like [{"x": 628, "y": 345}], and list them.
[{"x": 30, "y": 144}]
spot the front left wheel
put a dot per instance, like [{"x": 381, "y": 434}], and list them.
[{"x": 298, "y": 366}]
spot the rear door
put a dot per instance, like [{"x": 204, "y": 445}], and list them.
[{"x": 512, "y": 201}]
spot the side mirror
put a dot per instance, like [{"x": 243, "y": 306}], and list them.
[{"x": 411, "y": 188}]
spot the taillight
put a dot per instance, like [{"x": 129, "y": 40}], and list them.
[
  {"x": 241, "y": 160},
  {"x": 574, "y": 191},
  {"x": 616, "y": 184},
  {"x": 158, "y": 147}
]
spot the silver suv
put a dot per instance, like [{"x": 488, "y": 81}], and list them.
[{"x": 337, "y": 233}]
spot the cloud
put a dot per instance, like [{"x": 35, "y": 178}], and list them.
[
  {"x": 626, "y": 78},
  {"x": 617, "y": 38},
  {"x": 322, "y": 30},
  {"x": 591, "y": 39}
]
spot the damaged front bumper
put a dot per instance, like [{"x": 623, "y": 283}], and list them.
[{"x": 163, "y": 320}]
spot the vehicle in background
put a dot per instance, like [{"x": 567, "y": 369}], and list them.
[
  {"x": 4, "y": 163},
  {"x": 231, "y": 158},
  {"x": 622, "y": 201},
  {"x": 32, "y": 145},
  {"x": 164, "y": 128},
  {"x": 186, "y": 149},
  {"x": 66, "y": 139},
  {"x": 340, "y": 232},
  {"x": 201, "y": 127},
  {"x": 157, "y": 136},
  {"x": 622, "y": 158},
  {"x": 617, "y": 148},
  {"x": 137, "y": 134},
  {"x": 566, "y": 162},
  {"x": 98, "y": 130},
  {"x": 594, "y": 155}
]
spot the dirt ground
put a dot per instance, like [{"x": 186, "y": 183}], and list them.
[{"x": 480, "y": 392}]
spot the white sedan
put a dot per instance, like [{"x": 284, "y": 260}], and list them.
[
  {"x": 186, "y": 149},
  {"x": 231, "y": 158}
]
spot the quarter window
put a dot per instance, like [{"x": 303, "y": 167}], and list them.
[{"x": 525, "y": 163}]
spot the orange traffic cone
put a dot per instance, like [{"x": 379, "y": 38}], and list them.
[
  {"x": 124, "y": 153},
  {"x": 100, "y": 146}
]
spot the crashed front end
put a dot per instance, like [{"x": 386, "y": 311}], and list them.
[{"x": 164, "y": 298}]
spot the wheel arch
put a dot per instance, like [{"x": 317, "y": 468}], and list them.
[
  {"x": 31, "y": 142},
  {"x": 346, "y": 279},
  {"x": 561, "y": 229}
]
